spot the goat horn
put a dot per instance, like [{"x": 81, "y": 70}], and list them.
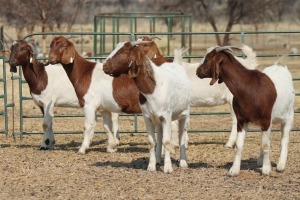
[
  {"x": 140, "y": 42},
  {"x": 238, "y": 48},
  {"x": 71, "y": 36},
  {"x": 155, "y": 37},
  {"x": 218, "y": 49}
]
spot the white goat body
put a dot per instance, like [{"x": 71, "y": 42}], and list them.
[
  {"x": 169, "y": 100},
  {"x": 282, "y": 111},
  {"x": 59, "y": 92}
]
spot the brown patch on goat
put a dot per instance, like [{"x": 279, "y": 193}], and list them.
[
  {"x": 160, "y": 60},
  {"x": 142, "y": 72},
  {"x": 61, "y": 51},
  {"x": 152, "y": 51},
  {"x": 254, "y": 92},
  {"x": 34, "y": 73},
  {"x": 126, "y": 94}
]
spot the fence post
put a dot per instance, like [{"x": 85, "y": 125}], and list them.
[{"x": 3, "y": 95}]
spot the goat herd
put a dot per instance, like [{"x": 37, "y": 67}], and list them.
[{"x": 136, "y": 78}]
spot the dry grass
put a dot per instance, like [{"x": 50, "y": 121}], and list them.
[{"x": 27, "y": 173}]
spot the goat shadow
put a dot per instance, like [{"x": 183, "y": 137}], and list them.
[
  {"x": 142, "y": 163},
  {"x": 74, "y": 146},
  {"x": 126, "y": 148},
  {"x": 249, "y": 164},
  {"x": 70, "y": 146},
  {"x": 206, "y": 142},
  {"x": 2, "y": 146}
]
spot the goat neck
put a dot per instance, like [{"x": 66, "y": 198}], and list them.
[
  {"x": 232, "y": 73},
  {"x": 35, "y": 75},
  {"x": 80, "y": 74}
]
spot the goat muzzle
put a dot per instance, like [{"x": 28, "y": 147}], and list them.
[
  {"x": 198, "y": 73},
  {"x": 13, "y": 67},
  {"x": 52, "y": 60}
]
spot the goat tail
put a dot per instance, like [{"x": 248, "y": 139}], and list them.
[
  {"x": 178, "y": 55},
  {"x": 251, "y": 60}
]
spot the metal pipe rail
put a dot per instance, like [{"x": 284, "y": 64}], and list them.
[{"x": 132, "y": 35}]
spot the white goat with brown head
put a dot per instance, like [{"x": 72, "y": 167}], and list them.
[
  {"x": 164, "y": 96},
  {"x": 48, "y": 84}
]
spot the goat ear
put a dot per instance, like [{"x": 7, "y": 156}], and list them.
[
  {"x": 137, "y": 56},
  {"x": 133, "y": 70},
  {"x": 68, "y": 54},
  {"x": 216, "y": 70}
]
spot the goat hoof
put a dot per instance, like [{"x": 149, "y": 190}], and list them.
[
  {"x": 280, "y": 170},
  {"x": 81, "y": 151},
  {"x": 183, "y": 164},
  {"x": 229, "y": 145},
  {"x": 44, "y": 148},
  {"x": 168, "y": 170},
  {"x": 232, "y": 172},
  {"x": 111, "y": 150},
  {"x": 266, "y": 171},
  {"x": 280, "y": 167},
  {"x": 151, "y": 168}
]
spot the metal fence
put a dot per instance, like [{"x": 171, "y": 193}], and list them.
[
  {"x": 3, "y": 96},
  {"x": 243, "y": 37},
  {"x": 113, "y": 24}
]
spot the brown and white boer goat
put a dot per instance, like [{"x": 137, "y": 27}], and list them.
[
  {"x": 260, "y": 98},
  {"x": 202, "y": 95},
  {"x": 48, "y": 84},
  {"x": 165, "y": 96},
  {"x": 95, "y": 89}
]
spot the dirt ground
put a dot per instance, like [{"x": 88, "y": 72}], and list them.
[{"x": 28, "y": 173}]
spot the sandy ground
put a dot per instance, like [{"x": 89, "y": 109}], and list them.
[{"x": 28, "y": 173}]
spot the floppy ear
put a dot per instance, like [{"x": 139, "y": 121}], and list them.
[
  {"x": 32, "y": 59},
  {"x": 151, "y": 52},
  {"x": 136, "y": 54},
  {"x": 133, "y": 70},
  {"x": 215, "y": 70},
  {"x": 68, "y": 53}
]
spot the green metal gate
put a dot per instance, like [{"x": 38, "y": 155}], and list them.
[
  {"x": 108, "y": 32},
  {"x": 3, "y": 96},
  {"x": 112, "y": 24}
]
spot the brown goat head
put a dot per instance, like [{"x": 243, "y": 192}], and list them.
[
  {"x": 61, "y": 51},
  {"x": 125, "y": 59},
  {"x": 21, "y": 54},
  {"x": 150, "y": 49},
  {"x": 211, "y": 66}
]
